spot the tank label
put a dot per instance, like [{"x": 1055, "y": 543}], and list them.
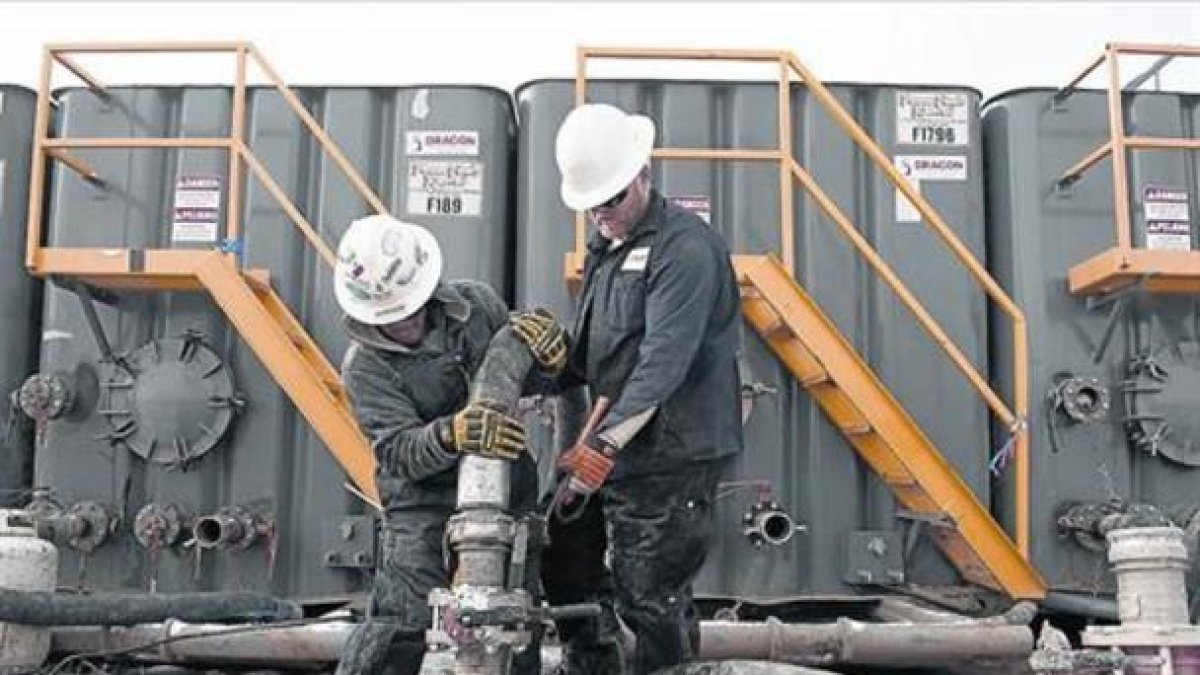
[
  {"x": 455, "y": 143},
  {"x": 1168, "y": 222},
  {"x": 933, "y": 118},
  {"x": 197, "y": 210},
  {"x": 445, "y": 187},
  {"x": 919, "y": 168}
]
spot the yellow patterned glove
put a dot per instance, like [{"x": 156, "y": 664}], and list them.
[
  {"x": 482, "y": 429},
  {"x": 545, "y": 337}
]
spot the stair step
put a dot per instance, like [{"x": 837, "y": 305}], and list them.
[
  {"x": 840, "y": 409},
  {"x": 875, "y": 450},
  {"x": 335, "y": 387},
  {"x": 815, "y": 379},
  {"x": 901, "y": 481},
  {"x": 857, "y": 430}
]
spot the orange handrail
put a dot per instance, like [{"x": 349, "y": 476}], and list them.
[{"x": 240, "y": 154}]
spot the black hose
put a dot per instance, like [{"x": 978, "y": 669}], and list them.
[
  {"x": 1083, "y": 605},
  {"x": 502, "y": 374},
  {"x": 44, "y": 608}
]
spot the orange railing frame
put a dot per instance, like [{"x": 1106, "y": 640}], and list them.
[
  {"x": 239, "y": 152},
  {"x": 789, "y": 169},
  {"x": 1119, "y": 143}
]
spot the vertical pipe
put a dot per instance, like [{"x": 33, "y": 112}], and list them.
[
  {"x": 237, "y": 124},
  {"x": 37, "y": 166},
  {"x": 787, "y": 232},
  {"x": 1120, "y": 167}
]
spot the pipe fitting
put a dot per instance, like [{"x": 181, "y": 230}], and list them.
[
  {"x": 228, "y": 528},
  {"x": 1081, "y": 399},
  {"x": 766, "y": 523},
  {"x": 158, "y": 525},
  {"x": 45, "y": 397},
  {"x": 84, "y": 526},
  {"x": 1149, "y": 564},
  {"x": 1089, "y": 522}
]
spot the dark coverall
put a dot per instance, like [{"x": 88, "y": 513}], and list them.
[
  {"x": 657, "y": 329},
  {"x": 397, "y": 393}
]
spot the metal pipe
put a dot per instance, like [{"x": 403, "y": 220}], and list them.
[
  {"x": 227, "y": 528},
  {"x": 44, "y": 608},
  {"x": 866, "y": 644},
  {"x": 175, "y": 641},
  {"x": 845, "y": 642},
  {"x": 900, "y": 610},
  {"x": 1083, "y": 605},
  {"x": 485, "y": 538}
]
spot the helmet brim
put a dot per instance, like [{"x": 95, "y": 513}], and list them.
[
  {"x": 374, "y": 313},
  {"x": 642, "y": 146}
]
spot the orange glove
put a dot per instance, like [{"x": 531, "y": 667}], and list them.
[{"x": 587, "y": 466}]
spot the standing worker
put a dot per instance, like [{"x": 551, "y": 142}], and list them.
[
  {"x": 657, "y": 333},
  {"x": 415, "y": 344}
]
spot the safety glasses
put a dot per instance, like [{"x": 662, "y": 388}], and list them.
[{"x": 614, "y": 201}]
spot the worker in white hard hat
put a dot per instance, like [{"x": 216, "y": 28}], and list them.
[
  {"x": 657, "y": 333},
  {"x": 416, "y": 341}
]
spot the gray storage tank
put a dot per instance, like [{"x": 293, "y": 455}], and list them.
[
  {"x": 1115, "y": 382},
  {"x": 439, "y": 156},
  {"x": 795, "y": 457},
  {"x": 19, "y": 293}
]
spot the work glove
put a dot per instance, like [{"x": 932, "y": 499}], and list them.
[
  {"x": 482, "y": 429},
  {"x": 545, "y": 337},
  {"x": 588, "y": 464}
]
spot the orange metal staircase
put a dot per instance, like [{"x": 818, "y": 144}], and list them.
[
  {"x": 245, "y": 296},
  {"x": 826, "y": 364},
  {"x": 878, "y": 427}
]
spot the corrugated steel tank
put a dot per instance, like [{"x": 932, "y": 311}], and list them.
[
  {"x": 19, "y": 293},
  {"x": 215, "y": 435},
  {"x": 794, "y": 456},
  {"x": 1140, "y": 351}
]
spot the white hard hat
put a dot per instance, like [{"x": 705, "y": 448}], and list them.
[
  {"x": 600, "y": 150},
  {"x": 386, "y": 269}
]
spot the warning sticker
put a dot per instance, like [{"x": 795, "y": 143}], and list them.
[
  {"x": 1168, "y": 223},
  {"x": 700, "y": 205},
  {"x": 455, "y": 143},
  {"x": 445, "y": 187},
  {"x": 932, "y": 118},
  {"x": 197, "y": 209},
  {"x": 918, "y": 168},
  {"x": 1168, "y": 235},
  {"x": 1164, "y": 203}
]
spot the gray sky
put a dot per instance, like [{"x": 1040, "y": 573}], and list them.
[{"x": 991, "y": 46}]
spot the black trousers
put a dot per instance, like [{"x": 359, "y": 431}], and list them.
[{"x": 657, "y": 529}]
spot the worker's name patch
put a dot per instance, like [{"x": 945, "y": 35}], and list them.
[{"x": 636, "y": 260}]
